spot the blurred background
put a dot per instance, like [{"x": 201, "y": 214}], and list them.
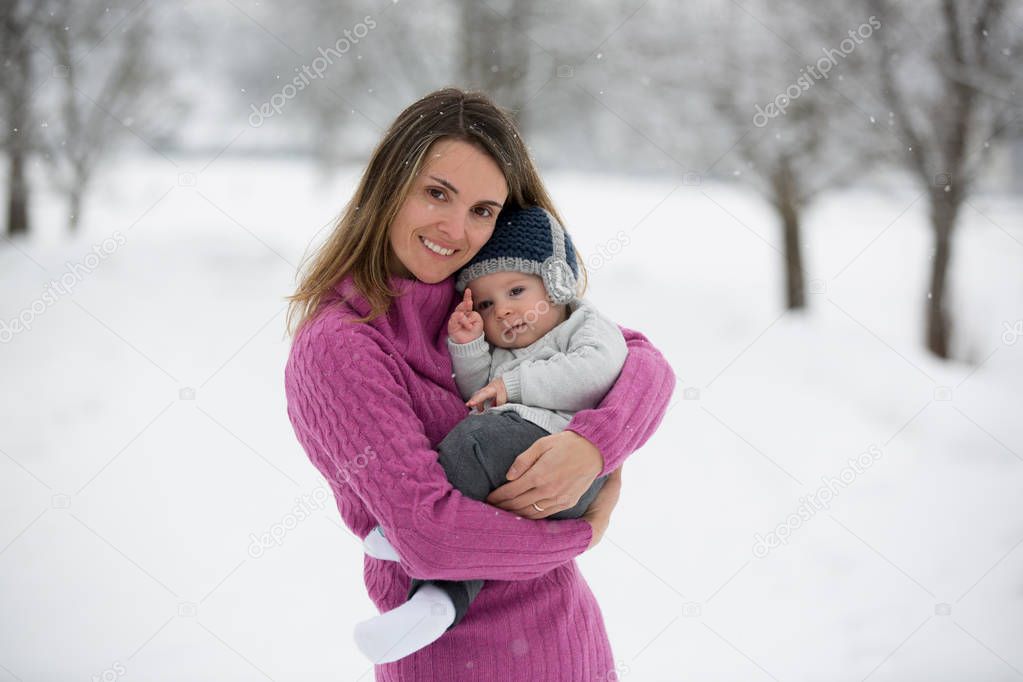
[{"x": 812, "y": 209}]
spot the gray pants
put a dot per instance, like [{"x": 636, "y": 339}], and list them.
[{"x": 476, "y": 455}]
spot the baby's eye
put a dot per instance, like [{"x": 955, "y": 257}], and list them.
[
  {"x": 517, "y": 290},
  {"x": 483, "y": 305}
]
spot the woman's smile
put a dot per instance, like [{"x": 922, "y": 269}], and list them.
[{"x": 437, "y": 249}]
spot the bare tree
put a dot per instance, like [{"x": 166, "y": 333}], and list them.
[
  {"x": 950, "y": 73},
  {"x": 496, "y": 49},
  {"x": 348, "y": 67},
  {"x": 775, "y": 95},
  {"x": 19, "y": 26},
  {"x": 511, "y": 50},
  {"x": 106, "y": 90},
  {"x": 800, "y": 86}
]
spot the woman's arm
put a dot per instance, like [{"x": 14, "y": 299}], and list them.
[
  {"x": 633, "y": 408},
  {"x": 353, "y": 416},
  {"x": 557, "y": 469}
]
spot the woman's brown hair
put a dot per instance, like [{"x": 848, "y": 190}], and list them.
[{"x": 359, "y": 243}]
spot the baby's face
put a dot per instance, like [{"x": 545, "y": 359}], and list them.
[{"x": 515, "y": 308}]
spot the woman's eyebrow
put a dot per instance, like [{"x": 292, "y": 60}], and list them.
[{"x": 455, "y": 190}]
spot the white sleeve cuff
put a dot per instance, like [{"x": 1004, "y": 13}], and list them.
[
  {"x": 477, "y": 346},
  {"x": 513, "y": 385}
]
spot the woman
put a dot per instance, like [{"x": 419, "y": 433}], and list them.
[{"x": 370, "y": 393}]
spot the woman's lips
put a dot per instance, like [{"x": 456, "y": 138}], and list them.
[{"x": 439, "y": 255}]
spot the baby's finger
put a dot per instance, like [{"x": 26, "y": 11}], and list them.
[
  {"x": 463, "y": 304},
  {"x": 466, "y": 303},
  {"x": 481, "y": 395}
]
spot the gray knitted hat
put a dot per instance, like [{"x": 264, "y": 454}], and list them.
[{"x": 528, "y": 240}]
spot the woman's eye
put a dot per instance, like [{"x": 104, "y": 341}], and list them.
[
  {"x": 431, "y": 190},
  {"x": 486, "y": 212}
]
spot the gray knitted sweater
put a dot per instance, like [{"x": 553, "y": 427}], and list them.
[{"x": 568, "y": 369}]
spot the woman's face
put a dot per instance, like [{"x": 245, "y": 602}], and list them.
[{"x": 449, "y": 213}]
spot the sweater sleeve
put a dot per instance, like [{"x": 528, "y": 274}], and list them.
[
  {"x": 471, "y": 364},
  {"x": 353, "y": 416},
  {"x": 633, "y": 408},
  {"x": 575, "y": 379}
]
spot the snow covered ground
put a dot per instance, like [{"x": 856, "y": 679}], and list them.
[{"x": 144, "y": 442}]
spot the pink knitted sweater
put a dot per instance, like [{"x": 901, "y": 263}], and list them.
[{"x": 369, "y": 402}]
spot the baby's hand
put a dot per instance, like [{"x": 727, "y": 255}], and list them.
[
  {"x": 465, "y": 324},
  {"x": 495, "y": 391}
]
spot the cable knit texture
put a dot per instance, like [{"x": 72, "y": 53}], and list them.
[{"x": 369, "y": 402}]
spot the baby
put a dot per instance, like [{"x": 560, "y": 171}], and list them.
[{"x": 522, "y": 340}]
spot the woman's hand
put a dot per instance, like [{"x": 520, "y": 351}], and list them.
[
  {"x": 465, "y": 324},
  {"x": 553, "y": 473},
  {"x": 599, "y": 513}
]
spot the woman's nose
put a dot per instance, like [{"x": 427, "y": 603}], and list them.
[{"x": 453, "y": 226}]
